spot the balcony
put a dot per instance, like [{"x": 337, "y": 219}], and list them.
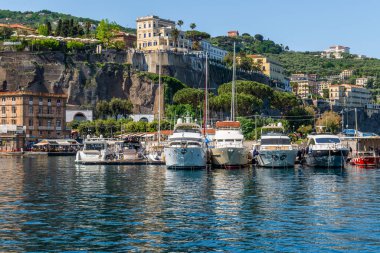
[
  {"x": 14, "y": 115},
  {"x": 45, "y": 115},
  {"x": 49, "y": 103},
  {"x": 3, "y": 115},
  {"x": 30, "y": 102},
  {"x": 45, "y": 128},
  {"x": 40, "y": 103},
  {"x": 30, "y": 114},
  {"x": 31, "y": 127},
  {"x": 58, "y": 128}
]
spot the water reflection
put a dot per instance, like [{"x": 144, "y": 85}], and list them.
[{"x": 47, "y": 204}]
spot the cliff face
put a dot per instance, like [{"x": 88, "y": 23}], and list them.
[{"x": 87, "y": 78}]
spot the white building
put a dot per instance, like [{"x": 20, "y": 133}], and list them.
[
  {"x": 362, "y": 81},
  {"x": 142, "y": 117},
  {"x": 349, "y": 95},
  {"x": 335, "y": 52},
  {"x": 214, "y": 53}
]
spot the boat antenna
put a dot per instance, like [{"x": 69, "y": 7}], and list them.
[
  {"x": 159, "y": 97},
  {"x": 233, "y": 85},
  {"x": 205, "y": 116}
]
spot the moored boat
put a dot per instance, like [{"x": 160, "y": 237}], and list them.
[
  {"x": 365, "y": 158},
  {"x": 228, "y": 150},
  {"x": 325, "y": 150},
  {"x": 274, "y": 149},
  {"x": 95, "y": 150},
  {"x": 186, "y": 147}
]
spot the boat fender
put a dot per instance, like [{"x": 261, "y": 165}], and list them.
[
  {"x": 183, "y": 151},
  {"x": 275, "y": 157},
  {"x": 283, "y": 157},
  {"x": 230, "y": 150}
]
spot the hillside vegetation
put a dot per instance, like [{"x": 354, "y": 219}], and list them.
[
  {"x": 34, "y": 19},
  {"x": 312, "y": 63}
]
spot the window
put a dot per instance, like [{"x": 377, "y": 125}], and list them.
[
  {"x": 30, "y": 122},
  {"x": 31, "y": 99},
  {"x": 13, "y": 99},
  {"x": 13, "y": 122},
  {"x": 59, "y": 111},
  {"x": 39, "y": 122},
  {"x": 49, "y": 110},
  {"x": 3, "y": 110},
  {"x": 149, "y": 34},
  {"x": 30, "y": 109},
  {"x": 40, "y": 99},
  {"x": 144, "y": 35},
  {"x": 58, "y": 102},
  {"x": 3, "y": 122},
  {"x": 150, "y": 26},
  {"x": 58, "y": 124},
  {"x": 49, "y": 123},
  {"x": 3, "y": 99},
  {"x": 144, "y": 25},
  {"x": 13, "y": 109},
  {"x": 40, "y": 110},
  {"x": 49, "y": 100}
]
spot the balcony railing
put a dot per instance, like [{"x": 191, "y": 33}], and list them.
[
  {"x": 58, "y": 128},
  {"x": 31, "y": 127},
  {"x": 45, "y": 128},
  {"x": 14, "y": 115},
  {"x": 3, "y": 115},
  {"x": 45, "y": 115}
]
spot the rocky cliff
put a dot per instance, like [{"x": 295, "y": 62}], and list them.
[{"x": 87, "y": 77}]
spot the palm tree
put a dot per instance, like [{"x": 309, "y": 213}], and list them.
[
  {"x": 175, "y": 35},
  {"x": 180, "y": 24},
  {"x": 193, "y": 26}
]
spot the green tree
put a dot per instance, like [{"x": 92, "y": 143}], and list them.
[
  {"x": 175, "y": 35},
  {"x": 189, "y": 96},
  {"x": 180, "y": 24},
  {"x": 58, "y": 29},
  {"x": 121, "y": 107},
  {"x": 102, "y": 109},
  {"x": 106, "y": 30},
  {"x": 196, "y": 37},
  {"x": 259, "y": 37},
  {"x": 43, "y": 30},
  {"x": 330, "y": 120},
  {"x": 6, "y": 32},
  {"x": 193, "y": 26},
  {"x": 88, "y": 27},
  {"x": 65, "y": 28},
  {"x": 49, "y": 28}
]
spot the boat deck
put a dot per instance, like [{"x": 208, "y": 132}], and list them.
[{"x": 123, "y": 162}]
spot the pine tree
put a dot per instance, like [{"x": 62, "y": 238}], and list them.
[
  {"x": 65, "y": 28},
  {"x": 58, "y": 30},
  {"x": 49, "y": 29}
]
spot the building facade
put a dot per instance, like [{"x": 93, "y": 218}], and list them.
[
  {"x": 213, "y": 52},
  {"x": 38, "y": 115},
  {"x": 269, "y": 67},
  {"x": 304, "y": 85},
  {"x": 348, "y": 95},
  {"x": 129, "y": 40},
  {"x": 155, "y": 33},
  {"x": 335, "y": 51},
  {"x": 363, "y": 81},
  {"x": 233, "y": 33}
]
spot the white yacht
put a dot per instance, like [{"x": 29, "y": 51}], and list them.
[
  {"x": 274, "y": 149},
  {"x": 325, "y": 150},
  {"x": 228, "y": 150},
  {"x": 186, "y": 147},
  {"x": 95, "y": 150}
]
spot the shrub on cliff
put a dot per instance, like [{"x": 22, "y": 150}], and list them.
[
  {"x": 75, "y": 45},
  {"x": 46, "y": 44}
]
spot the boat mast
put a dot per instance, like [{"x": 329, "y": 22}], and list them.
[
  {"x": 205, "y": 116},
  {"x": 233, "y": 85},
  {"x": 356, "y": 130},
  {"x": 159, "y": 98}
]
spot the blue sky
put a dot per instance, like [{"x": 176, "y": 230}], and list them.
[{"x": 301, "y": 24}]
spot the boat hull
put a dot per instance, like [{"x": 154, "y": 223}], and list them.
[
  {"x": 364, "y": 161},
  {"x": 276, "y": 158},
  {"x": 230, "y": 157},
  {"x": 326, "y": 158},
  {"x": 185, "y": 158},
  {"x": 85, "y": 156}
]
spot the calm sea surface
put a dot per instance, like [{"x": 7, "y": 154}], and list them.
[{"x": 49, "y": 204}]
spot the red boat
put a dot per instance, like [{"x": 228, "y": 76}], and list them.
[{"x": 365, "y": 158}]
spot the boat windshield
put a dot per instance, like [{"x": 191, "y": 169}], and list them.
[
  {"x": 327, "y": 140},
  {"x": 94, "y": 146},
  {"x": 187, "y": 130},
  {"x": 275, "y": 141}
]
